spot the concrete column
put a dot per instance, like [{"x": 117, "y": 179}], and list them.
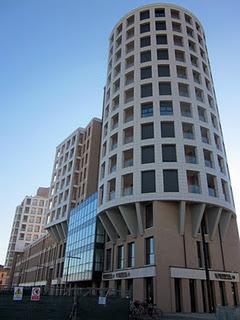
[
  {"x": 217, "y": 294},
  {"x": 138, "y": 289},
  {"x": 186, "y": 303},
  {"x": 228, "y": 294}
]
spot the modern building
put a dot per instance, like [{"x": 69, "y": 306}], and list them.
[
  {"x": 74, "y": 177},
  {"x": 3, "y": 277},
  {"x": 165, "y": 197},
  {"x": 83, "y": 263},
  {"x": 28, "y": 224}
]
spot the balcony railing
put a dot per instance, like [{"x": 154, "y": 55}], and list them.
[
  {"x": 112, "y": 195},
  {"x": 194, "y": 188},
  {"x": 191, "y": 159},
  {"x": 212, "y": 192},
  {"x": 128, "y": 163},
  {"x": 127, "y": 191}
]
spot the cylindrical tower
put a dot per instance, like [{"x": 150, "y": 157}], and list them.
[{"x": 162, "y": 152}]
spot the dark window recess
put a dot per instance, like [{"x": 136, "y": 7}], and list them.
[
  {"x": 147, "y": 109},
  {"x": 177, "y": 287},
  {"x": 192, "y": 289},
  {"x": 169, "y": 153},
  {"x": 146, "y": 73},
  {"x": 165, "y": 88},
  {"x": 149, "y": 290},
  {"x": 163, "y": 70},
  {"x": 148, "y": 181},
  {"x": 145, "y": 56},
  {"x": 145, "y": 41},
  {"x": 147, "y": 131},
  {"x": 167, "y": 129},
  {"x": 144, "y": 15},
  {"x": 146, "y": 90},
  {"x": 161, "y": 39},
  {"x": 148, "y": 154},
  {"x": 159, "y": 13},
  {"x": 162, "y": 54},
  {"x": 148, "y": 215},
  {"x": 160, "y": 25},
  {"x": 144, "y": 27},
  {"x": 166, "y": 108},
  {"x": 170, "y": 180},
  {"x": 108, "y": 258}
]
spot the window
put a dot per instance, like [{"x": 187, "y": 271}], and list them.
[
  {"x": 221, "y": 164},
  {"x": 145, "y": 56},
  {"x": 145, "y": 41},
  {"x": 131, "y": 255},
  {"x": 162, "y": 54},
  {"x": 149, "y": 243},
  {"x": 129, "y": 95},
  {"x": 160, "y": 25},
  {"x": 188, "y": 130},
  {"x": 129, "y": 62},
  {"x": 170, "y": 180},
  {"x": 190, "y": 154},
  {"x": 113, "y": 164},
  {"x": 225, "y": 190},
  {"x": 202, "y": 114},
  {"x": 199, "y": 254},
  {"x": 114, "y": 141},
  {"x": 192, "y": 45},
  {"x": 208, "y": 158},
  {"x": 183, "y": 89},
  {"x": 129, "y": 47},
  {"x": 128, "y": 135},
  {"x": 186, "y": 110},
  {"x": 217, "y": 141},
  {"x": 148, "y": 215},
  {"x": 194, "y": 60},
  {"x": 128, "y": 114},
  {"x": 181, "y": 72},
  {"x": 159, "y": 13},
  {"x": 111, "y": 189},
  {"x": 188, "y": 19},
  {"x": 199, "y": 94},
  {"x": 148, "y": 181},
  {"x": 146, "y": 72},
  {"x": 145, "y": 27},
  {"x": 165, "y": 88},
  {"x": 108, "y": 259},
  {"x": 178, "y": 41},
  {"x": 211, "y": 183},
  {"x": 128, "y": 158},
  {"x": 167, "y": 129},
  {"x": 120, "y": 257},
  {"x": 114, "y": 122},
  {"x": 146, "y": 90},
  {"x": 127, "y": 184},
  {"x": 205, "y": 135},
  {"x": 197, "y": 77},
  {"x": 147, "y": 131},
  {"x": 179, "y": 55},
  {"x": 190, "y": 32},
  {"x": 176, "y": 27},
  {"x": 193, "y": 181},
  {"x": 129, "y": 78},
  {"x": 163, "y": 70},
  {"x": 130, "y": 20},
  {"x": 148, "y": 154},
  {"x": 169, "y": 153},
  {"x": 214, "y": 121},
  {"x": 161, "y": 39},
  {"x": 175, "y": 14},
  {"x": 166, "y": 108},
  {"x": 147, "y": 109},
  {"x": 144, "y": 15}
]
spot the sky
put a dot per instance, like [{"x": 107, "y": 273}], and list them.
[{"x": 53, "y": 58}]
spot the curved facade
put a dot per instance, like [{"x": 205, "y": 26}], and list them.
[
  {"x": 165, "y": 196},
  {"x": 161, "y": 118}
]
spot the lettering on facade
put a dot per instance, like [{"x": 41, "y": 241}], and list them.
[{"x": 224, "y": 276}]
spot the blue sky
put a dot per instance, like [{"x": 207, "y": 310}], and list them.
[{"x": 52, "y": 72}]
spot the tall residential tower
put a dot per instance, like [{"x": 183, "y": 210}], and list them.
[{"x": 165, "y": 196}]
